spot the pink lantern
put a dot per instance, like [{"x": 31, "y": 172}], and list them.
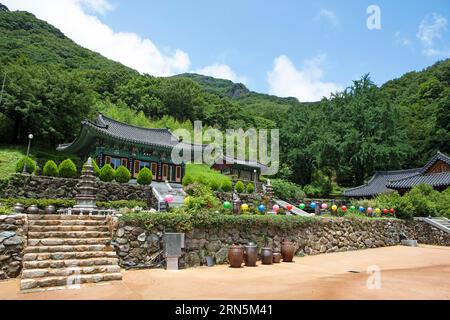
[
  {"x": 276, "y": 208},
  {"x": 369, "y": 210},
  {"x": 324, "y": 206},
  {"x": 289, "y": 207},
  {"x": 168, "y": 198}
]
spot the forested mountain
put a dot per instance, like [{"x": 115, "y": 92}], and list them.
[{"x": 51, "y": 84}]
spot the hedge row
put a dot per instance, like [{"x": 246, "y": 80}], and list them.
[
  {"x": 68, "y": 169},
  {"x": 183, "y": 222},
  {"x": 68, "y": 203}
]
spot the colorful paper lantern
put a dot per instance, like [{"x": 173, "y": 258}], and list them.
[
  {"x": 244, "y": 207},
  {"x": 369, "y": 210},
  {"x": 377, "y": 210},
  {"x": 302, "y": 206},
  {"x": 362, "y": 209},
  {"x": 352, "y": 208},
  {"x": 227, "y": 205},
  {"x": 344, "y": 208},
  {"x": 392, "y": 210},
  {"x": 276, "y": 208},
  {"x": 385, "y": 211},
  {"x": 187, "y": 200},
  {"x": 324, "y": 206},
  {"x": 334, "y": 207},
  {"x": 289, "y": 207},
  {"x": 168, "y": 198},
  {"x": 313, "y": 205},
  {"x": 262, "y": 208}
]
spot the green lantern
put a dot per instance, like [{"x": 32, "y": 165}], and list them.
[
  {"x": 353, "y": 208},
  {"x": 227, "y": 205},
  {"x": 302, "y": 206}
]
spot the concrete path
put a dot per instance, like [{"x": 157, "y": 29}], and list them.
[
  {"x": 294, "y": 210},
  {"x": 406, "y": 273}
]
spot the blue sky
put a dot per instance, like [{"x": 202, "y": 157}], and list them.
[{"x": 297, "y": 48}]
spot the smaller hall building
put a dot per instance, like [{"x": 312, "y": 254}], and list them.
[{"x": 436, "y": 173}]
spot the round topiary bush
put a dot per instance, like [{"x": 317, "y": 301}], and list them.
[
  {"x": 250, "y": 187},
  {"x": 214, "y": 185},
  {"x": 239, "y": 187},
  {"x": 51, "y": 169},
  {"x": 95, "y": 165},
  {"x": 145, "y": 177},
  {"x": 107, "y": 173},
  {"x": 67, "y": 169},
  {"x": 226, "y": 186},
  {"x": 187, "y": 180},
  {"x": 122, "y": 175},
  {"x": 31, "y": 165}
]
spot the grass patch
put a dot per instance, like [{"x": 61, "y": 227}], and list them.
[
  {"x": 8, "y": 159},
  {"x": 10, "y": 154},
  {"x": 202, "y": 173}
]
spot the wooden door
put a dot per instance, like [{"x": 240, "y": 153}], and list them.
[
  {"x": 165, "y": 172},
  {"x": 178, "y": 174}
]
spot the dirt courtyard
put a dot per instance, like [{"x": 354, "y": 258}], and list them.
[{"x": 405, "y": 273}]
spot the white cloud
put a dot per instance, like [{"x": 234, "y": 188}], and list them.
[
  {"x": 430, "y": 32},
  {"x": 328, "y": 15},
  {"x": 71, "y": 17},
  {"x": 305, "y": 83},
  {"x": 221, "y": 71}
]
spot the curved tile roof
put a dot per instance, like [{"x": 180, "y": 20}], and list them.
[
  {"x": 121, "y": 131},
  {"x": 377, "y": 184},
  {"x": 439, "y": 179},
  {"x": 388, "y": 181}
]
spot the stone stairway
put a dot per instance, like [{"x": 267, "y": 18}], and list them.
[{"x": 67, "y": 251}]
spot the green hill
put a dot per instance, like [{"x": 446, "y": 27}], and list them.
[{"x": 52, "y": 84}]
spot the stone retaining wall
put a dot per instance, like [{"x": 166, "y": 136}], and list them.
[
  {"x": 138, "y": 247},
  {"x": 12, "y": 242},
  {"x": 34, "y": 187}
]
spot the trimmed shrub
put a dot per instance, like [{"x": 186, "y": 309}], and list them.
[
  {"x": 107, "y": 173},
  {"x": 286, "y": 190},
  {"x": 239, "y": 187},
  {"x": 96, "y": 167},
  {"x": 250, "y": 187},
  {"x": 51, "y": 169},
  {"x": 31, "y": 165},
  {"x": 214, "y": 185},
  {"x": 187, "y": 180},
  {"x": 226, "y": 186},
  {"x": 122, "y": 175},
  {"x": 145, "y": 177},
  {"x": 67, "y": 169}
]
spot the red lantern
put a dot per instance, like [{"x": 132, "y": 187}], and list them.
[
  {"x": 385, "y": 211},
  {"x": 289, "y": 207},
  {"x": 344, "y": 208},
  {"x": 392, "y": 211}
]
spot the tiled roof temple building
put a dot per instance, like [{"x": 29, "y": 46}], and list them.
[{"x": 435, "y": 173}]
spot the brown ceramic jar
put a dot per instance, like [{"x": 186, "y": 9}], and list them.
[
  {"x": 287, "y": 251},
  {"x": 266, "y": 255},
  {"x": 251, "y": 255},
  {"x": 235, "y": 256}
]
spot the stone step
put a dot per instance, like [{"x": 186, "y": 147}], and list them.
[
  {"x": 49, "y": 282},
  {"x": 57, "y": 264},
  {"x": 66, "y": 222},
  {"x": 70, "y": 271},
  {"x": 67, "y": 241},
  {"x": 68, "y": 234},
  {"x": 68, "y": 228},
  {"x": 68, "y": 255},
  {"x": 69, "y": 248},
  {"x": 64, "y": 217}
]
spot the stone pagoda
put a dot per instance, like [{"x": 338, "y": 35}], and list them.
[{"x": 85, "y": 198}]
